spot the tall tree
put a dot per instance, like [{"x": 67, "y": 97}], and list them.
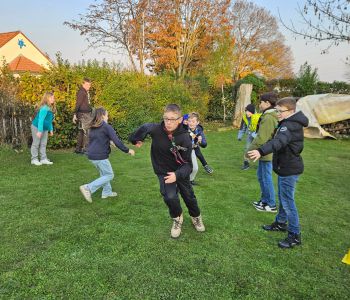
[
  {"x": 306, "y": 81},
  {"x": 219, "y": 65},
  {"x": 181, "y": 32},
  {"x": 259, "y": 46},
  {"x": 118, "y": 25}
]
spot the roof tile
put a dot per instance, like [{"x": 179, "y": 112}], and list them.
[
  {"x": 7, "y": 36},
  {"x": 22, "y": 64}
]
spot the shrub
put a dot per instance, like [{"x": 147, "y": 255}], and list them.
[
  {"x": 306, "y": 81},
  {"x": 215, "y": 105},
  {"x": 258, "y": 86},
  {"x": 132, "y": 99},
  {"x": 65, "y": 132}
]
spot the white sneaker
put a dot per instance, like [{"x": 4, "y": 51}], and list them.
[
  {"x": 46, "y": 162},
  {"x": 86, "y": 192},
  {"x": 198, "y": 223},
  {"x": 113, "y": 194},
  {"x": 266, "y": 208},
  {"x": 176, "y": 228},
  {"x": 35, "y": 162}
]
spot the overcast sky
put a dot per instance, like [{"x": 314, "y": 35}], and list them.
[{"x": 42, "y": 22}]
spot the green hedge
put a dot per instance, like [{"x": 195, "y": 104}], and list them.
[
  {"x": 130, "y": 98},
  {"x": 65, "y": 132}
]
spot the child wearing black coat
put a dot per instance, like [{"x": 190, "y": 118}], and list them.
[
  {"x": 171, "y": 159},
  {"x": 286, "y": 147}
]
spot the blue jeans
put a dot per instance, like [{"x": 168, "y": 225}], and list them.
[
  {"x": 287, "y": 210},
  {"x": 106, "y": 175},
  {"x": 264, "y": 174},
  {"x": 248, "y": 141}
]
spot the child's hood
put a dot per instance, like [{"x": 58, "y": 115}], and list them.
[
  {"x": 270, "y": 111},
  {"x": 200, "y": 127},
  {"x": 298, "y": 118}
]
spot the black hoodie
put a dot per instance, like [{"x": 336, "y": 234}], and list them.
[
  {"x": 163, "y": 160},
  {"x": 287, "y": 145}
]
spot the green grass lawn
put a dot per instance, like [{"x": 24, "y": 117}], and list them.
[{"x": 53, "y": 244}]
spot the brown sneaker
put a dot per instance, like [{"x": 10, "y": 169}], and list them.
[
  {"x": 176, "y": 228},
  {"x": 198, "y": 223}
]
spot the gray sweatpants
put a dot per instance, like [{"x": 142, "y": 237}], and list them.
[
  {"x": 38, "y": 145},
  {"x": 194, "y": 164}
]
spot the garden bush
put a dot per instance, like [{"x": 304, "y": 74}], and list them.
[{"x": 130, "y": 98}]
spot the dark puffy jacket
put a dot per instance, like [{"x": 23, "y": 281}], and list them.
[
  {"x": 199, "y": 131},
  {"x": 287, "y": 145},
  {"x": 163, "y": 160}
]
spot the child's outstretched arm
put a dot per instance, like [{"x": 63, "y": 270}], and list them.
[
  {"x": 266, "y": 130},
  {"x": 114, "y": 138},
  {"x": 281, "y": 140},
  {"x": 139, "y": 135}
]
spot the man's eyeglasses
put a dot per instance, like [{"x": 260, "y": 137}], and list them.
[
  {"x": 170, "y": 120},
  {"x": 281, "y": 111}
]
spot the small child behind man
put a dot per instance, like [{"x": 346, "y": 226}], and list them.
[
  {"x": 286, "y": 147},
  {"x": 198, "y": 151},
  {"x": 248, "y": 126},
  {"x": 198, "y": 140}
]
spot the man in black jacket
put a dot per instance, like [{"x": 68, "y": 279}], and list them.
[
  {"x": 286, "y": 146},
  {"x": 82, "y": 114},
  {"x": 171, "y": 159}
]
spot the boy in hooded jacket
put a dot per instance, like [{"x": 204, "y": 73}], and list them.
[{"x": 286, "y": 146}]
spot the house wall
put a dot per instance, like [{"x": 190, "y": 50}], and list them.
[{"x": 11, "y": 50}]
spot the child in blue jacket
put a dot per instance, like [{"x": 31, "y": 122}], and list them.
[
  {"x": 41, "y": 127},
  {"x": 198, "y": 140},
  {"x": 199, "y": 129}
]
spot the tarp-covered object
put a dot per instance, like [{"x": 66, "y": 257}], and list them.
[{"x": 323, "y": 109}]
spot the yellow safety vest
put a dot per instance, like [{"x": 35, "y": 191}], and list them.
[{"x": 254, "y": 119}]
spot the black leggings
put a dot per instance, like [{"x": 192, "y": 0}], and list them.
[
  {"x": 170, "y": 195},
  {"x": 200, "y": 156}
]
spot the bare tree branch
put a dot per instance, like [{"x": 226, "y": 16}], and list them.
[
  {"x": 324, "y": 20},
  {"x": 114, "y": 24}
]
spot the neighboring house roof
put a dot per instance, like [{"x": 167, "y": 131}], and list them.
[
  {"x": 22, "y": 64},
  {"x": 7, "y": 36}
]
